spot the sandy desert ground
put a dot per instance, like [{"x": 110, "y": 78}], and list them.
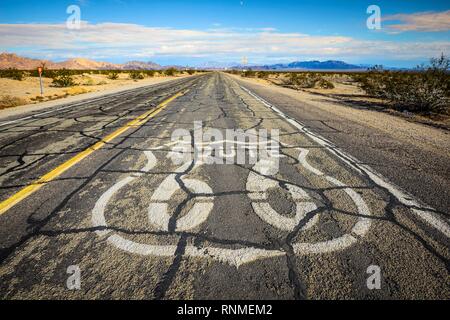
[
  {"x": 28, "y": 91},
  {"x": 347, "y": 93}
]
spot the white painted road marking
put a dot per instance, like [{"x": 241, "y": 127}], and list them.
[
  {"x": 158, "y": 210},
  {"x": 427, "y": 215},
  {"x": 75, "y": 104},
  {"x": 37, "y": 115},
  {"x": 258, "y": 185},
  {"x": 236, "y": 257}
]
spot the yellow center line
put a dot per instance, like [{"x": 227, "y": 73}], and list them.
[{"x": 36, "y": 185}]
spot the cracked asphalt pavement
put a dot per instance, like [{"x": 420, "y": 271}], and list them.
[{"x": 140, "y": 226}]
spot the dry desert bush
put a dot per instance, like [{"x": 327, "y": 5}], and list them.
[
  {"x": 308, "y": 80},
  {"x": 424, "y": 90},
  {"x": 7, "y": 101}
]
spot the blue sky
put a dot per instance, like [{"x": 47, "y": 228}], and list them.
[{"x": 194, "y": 32}]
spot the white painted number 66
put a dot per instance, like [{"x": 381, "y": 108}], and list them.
[
  {"x": 258, "y": 185},
  {"x": 158, "y": 210}
]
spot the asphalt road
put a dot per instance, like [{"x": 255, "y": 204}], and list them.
[{"x": 137, "y": 224}]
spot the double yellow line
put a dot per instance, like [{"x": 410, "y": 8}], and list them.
[{"x": 36, "y": 185}]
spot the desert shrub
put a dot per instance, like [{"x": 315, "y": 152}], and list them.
[
  {"x": 249, "y": 73},
  {"x": 89, "y": 82},
  {"x": 45, "y": 73},
  {"x": 263, "y": 75},
  {"x": 75, "y": 91},
  {"x": 190, "y": 72},
  {"x": 136, "y": 75},
  {"x": 425, "y": 90},
  {"x": 324, "y": 84},
  {"x": 13, "y": 73},
  {"x": 308, "y": 81},
  {"x": 170, "y": 72},
  {"x": 37, "y": 99},
  {"x": 150, "y": 73},
  {"x": 302, "y": 80},
  {"x": 8, "y": 101},
  {"x": 63, "y": 78},
  {"x": 113, "y": 75}
]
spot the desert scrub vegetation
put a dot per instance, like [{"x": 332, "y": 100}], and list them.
[
  {"x": 7, "y": 101},
  {"x": 323, "y": 83},
  {"x": 113, "y": 75},
  {"x": 149, "y": 73},
  {"x": 249, "y": 73},
  {"x": 308, "y": 80},
  {"x": 88, "y": 81},
  {"x": 171, "y": 72},
  {"x": 136, "y": 75},
  {"x": 63, "y": 78},
  {"x": 425, "y": 90},
  {"x": 13, "y": 73},
  {"x": 76, "y": 91},
  {"x": 263, "y": 75}
]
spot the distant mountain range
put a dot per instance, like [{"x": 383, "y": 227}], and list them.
[
  {"x": 10, "y": 60},
  {"x": 308, "y": 65}
]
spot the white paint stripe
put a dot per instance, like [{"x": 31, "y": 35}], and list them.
[
  {"x": 158, "y": 210},
  {"x": 258, "y": 186},
  {"x": 166, "y": 189},
  {"x": 346, "y": 240},
  {"x": 297, "y": 193},
  {"x": 35, "y": 115},
  {"x": 98, "y": 213},
  {"x": 305, "y": 164},
  {"x": 142, "y": 249},
  {"x": 76, "y": 104},
  {"x": 326, "y": 246},
  {"x": 56, "y": 110},
  {"x": 157, "y": 215},
  {"x": 151, "y": 161},
  {"x": 265, "y": 211},
  {"x": 364, "y": 222},
  {"x": 195, "y": 217},
  {"x": 430, "y": 217},
  {"x": 234, "y": 257}
]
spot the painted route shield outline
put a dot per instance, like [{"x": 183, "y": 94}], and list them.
[{"x": 257, "y": 187}]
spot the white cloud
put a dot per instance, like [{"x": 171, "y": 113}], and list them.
[
  {"x": 422, "y": 21},
  {"x": 113, "y": 40}
]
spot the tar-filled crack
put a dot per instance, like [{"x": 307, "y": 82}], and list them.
[
  {"x": 96, "y": 135},
  {"x": 35, "y": 226},
  {"x": 181, "y": 184},
  {"x": 323, "y": 122},
  {"x": 293, "y": 276},
  {"x": 166, "y": 280},
  {"x": 299, "y": 290},
  {"x": 233, "y": 94},
  {"x": 34, "y": 229}
]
